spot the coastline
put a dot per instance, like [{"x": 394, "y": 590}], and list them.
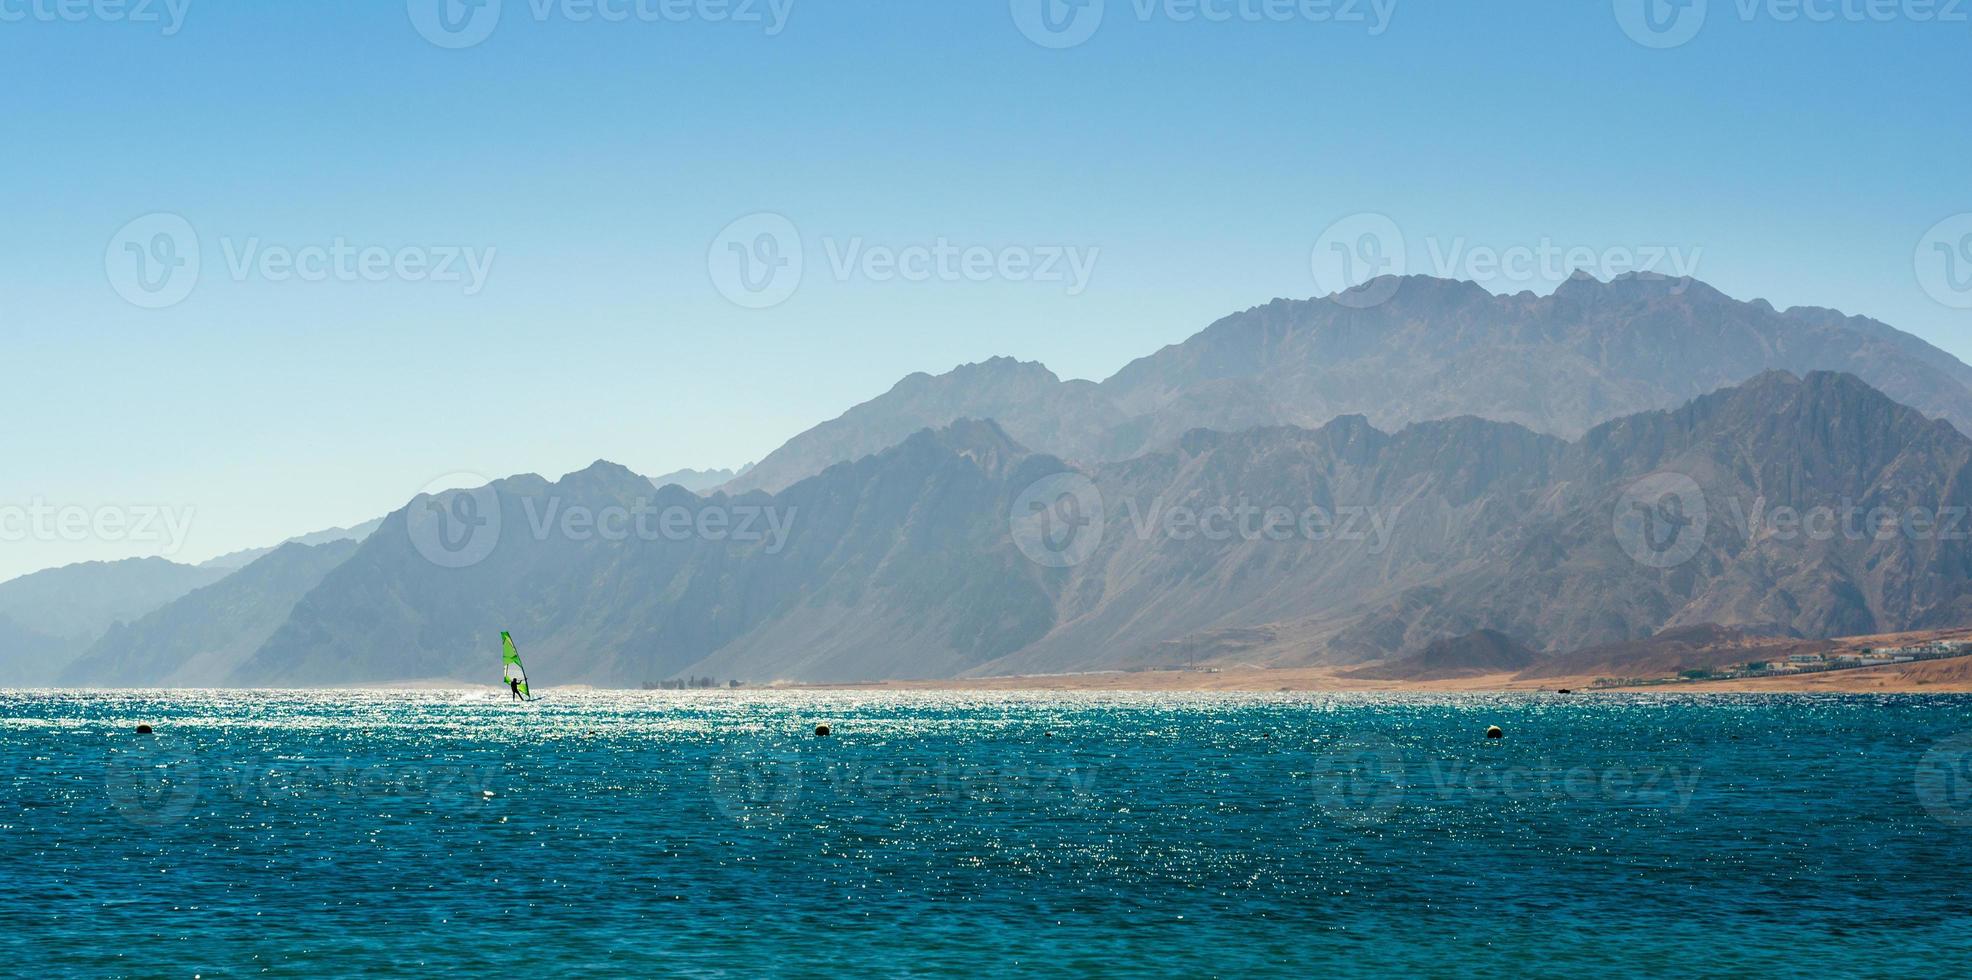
[{"x": 1934, "y": 677}]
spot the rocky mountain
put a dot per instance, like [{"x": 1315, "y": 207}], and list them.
[
  {"x": 56, "y": 614},
  {"x": 896, "y": 565},
  {"x": 700, "y": 481},
  {"x": 1557, "y": 364},
  {"x": 961, "y": 552},
  {"x": 1656, "y": 520},
  {"x": 1025, "y": 399},
  {"x": 24, "y": 654},
  {"x": 199, "y": 640},
  {"x": 1474, "y": 654},
  {"x": 241, "y": 559}
]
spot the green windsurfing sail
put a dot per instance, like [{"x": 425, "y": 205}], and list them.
[{"x": 515, "y": 672}]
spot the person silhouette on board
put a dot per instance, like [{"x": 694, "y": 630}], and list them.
[{"x": 513, "y": 684}]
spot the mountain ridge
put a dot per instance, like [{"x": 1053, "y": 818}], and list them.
[{"x": 1559, "y": 364}]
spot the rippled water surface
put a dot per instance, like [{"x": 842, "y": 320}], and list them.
[{"x": 712, "y": 834}]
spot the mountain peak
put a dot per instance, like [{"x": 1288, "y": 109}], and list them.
[
  {"x": 982, "y": 439},
  {"x": 605, "y": 477},
  {"x": 993, "y": 370},
  {"x": 1630, "y": 287},
  {"x": 1417, "y": 289}
]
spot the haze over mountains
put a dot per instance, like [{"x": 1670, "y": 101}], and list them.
[
  {"x": 699, "y": 481},
  {"x": 50, "y": 617},
  {"x": 1444, "y": 463},
  {"x": 241, "y": 559},
  {"x": 1557, "y": 364}
]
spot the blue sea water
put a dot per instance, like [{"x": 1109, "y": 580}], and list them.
[{"x": 712, "y": 834}]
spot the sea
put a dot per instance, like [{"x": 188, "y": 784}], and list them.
[{"x": 715, "y": 834}]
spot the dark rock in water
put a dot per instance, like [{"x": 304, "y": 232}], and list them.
[
  {"x": 143, "y": 729},
  {"x": 822, "y": 731},
  {"x": 1494, "y": 732}
]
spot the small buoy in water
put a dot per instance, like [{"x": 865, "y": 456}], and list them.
[
  {"x": 143, "y": 729},
  {"x": 1494, "y": 732},
  {"x": 821, "y": 731}
]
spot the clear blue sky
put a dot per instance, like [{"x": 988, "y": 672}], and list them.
[{"x": 599, "y": 161}]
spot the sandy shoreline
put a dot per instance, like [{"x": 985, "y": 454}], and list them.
[{"x": 1932, "y": 677}]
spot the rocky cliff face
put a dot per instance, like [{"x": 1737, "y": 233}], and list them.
[
  {"x": 957, "y": 552},
  {"x": 1558, "y": 364}
]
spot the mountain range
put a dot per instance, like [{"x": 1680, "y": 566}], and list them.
[
  {"x": 241, "y": 559},
  {"x": 52, "y": 616},
  {"x": 1558, "y": 364},
  {"x": 699, "y": 481},
  {"x": 1301, "y": 483}
]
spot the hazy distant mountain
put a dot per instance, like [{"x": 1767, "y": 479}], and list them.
[
  {"x": 75, "y": 605},
  {"x": 1495, "y": 527},
  {"x": 897, "y": 565},
  {"x": 700, "y": 481},
  {"x": 1033, "y": 406},
  {"x": 199, "y": 640},
  {"x": 1474, "y": 654},
  {"x": 903, "y": 564},
  {"x": 1825, "y": 445},
  {"x": 241, "y": 559},
  {"x": 1557, "y": 364},
  {"x": 25, "y": 653}
]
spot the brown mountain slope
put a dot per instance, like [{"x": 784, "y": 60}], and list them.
[
  {"x": 1477, "y": 653},
  {"x": 1558, "y": 364},
  {"x": 1489, "y": 526}
]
